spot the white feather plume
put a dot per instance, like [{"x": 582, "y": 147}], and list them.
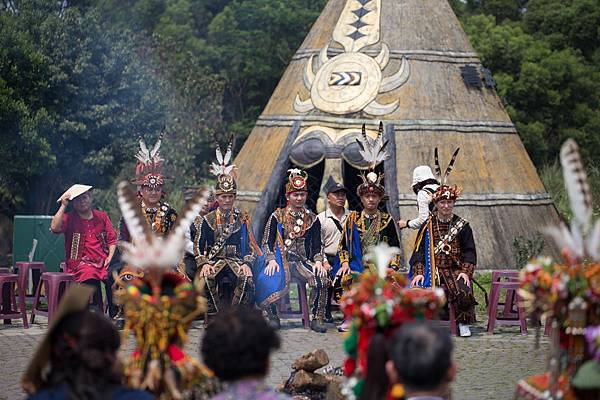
[
  {"x": 578, "y": 188},
  {"x": 147, "y": 250},
  {"x": 381, "y": 255},
  {"x": 374, "y": 151},
  {"x": 223, "y": 167},
  {"x": 581, "y": 240}
]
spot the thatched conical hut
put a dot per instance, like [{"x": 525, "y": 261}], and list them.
[{"x": 409, "y": 64}]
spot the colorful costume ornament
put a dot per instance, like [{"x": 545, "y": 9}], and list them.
[
  {"x": 363, "y": 231},
  {"x": 159, "y": 307},
  {"x": 380, "y": 302},
  {"x": 568, "y": 294},
  {"x": 225, "y": 241}
]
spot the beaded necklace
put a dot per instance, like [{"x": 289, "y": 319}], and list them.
[{"x": 295, "y": 225}]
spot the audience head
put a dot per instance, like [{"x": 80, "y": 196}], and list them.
[
  {"x": 237, "y": 345},
  {"x": 421, "y": 358},
  {"x": 79, "y": 350}
]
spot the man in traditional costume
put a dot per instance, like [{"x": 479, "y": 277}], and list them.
[
  {"x": 370, "y": 226},
  {"x": 160, "y": 307},
  {"x": 224, "y": 247},
  {"x": 158, "y": 215},
  {"x": 332, "y": 222},
  {"x": 190, "y": 235},
  {"x": 293, "y": 249},
  {"x": 90, "y": 239},
  {"x": 445, "y": 256}
]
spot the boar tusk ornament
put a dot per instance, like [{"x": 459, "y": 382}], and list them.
[{"x": 351, "y": 81}]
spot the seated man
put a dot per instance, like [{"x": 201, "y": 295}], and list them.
[
  {"x": 421, "y": 361},
  {"x": 224, "y": 246},
  {"x": 445, "y": 255},
  {"x": 293, "y": 249}
]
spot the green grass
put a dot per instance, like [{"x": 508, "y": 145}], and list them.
[{"x": 485, "y": 280}]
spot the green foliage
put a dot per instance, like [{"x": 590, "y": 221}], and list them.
[{"x": 527, "y": 248}]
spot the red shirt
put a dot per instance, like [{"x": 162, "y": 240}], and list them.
[{"x": 86, "y": 244}]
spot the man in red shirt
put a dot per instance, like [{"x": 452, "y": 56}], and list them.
[{"x": 90, "y": 239}]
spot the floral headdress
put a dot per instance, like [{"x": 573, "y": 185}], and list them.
[
  {"x": 373, "y": 153},
  {"x": 568, "y": 292},
  {"x": 380, "y": 303},
  {"x": 160, "y": 306},
  {"x": 149, "y": 170}
]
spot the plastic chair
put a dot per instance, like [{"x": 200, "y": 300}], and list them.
[
  {"x": 493, "y": 320},
  {"x": 10, "y": 311},
  {"x": 53, "y": 281}
]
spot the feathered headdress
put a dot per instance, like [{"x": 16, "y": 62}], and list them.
[
  {"x": 582, "y": 240},
  {"x": 373, "y": 153},
  {"x": 445, "y": 191},
  {"x": 224, "y": 171},
  {"x": 160, "y": 306},
  {"x": 149, "y": 170}
]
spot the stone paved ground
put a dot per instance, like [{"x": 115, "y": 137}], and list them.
[{"x": 489, "y": 365}]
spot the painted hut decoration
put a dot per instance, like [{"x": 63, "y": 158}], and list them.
[{"x": 409, "y": 64}]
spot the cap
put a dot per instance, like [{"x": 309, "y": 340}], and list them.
[{"x": 332, "y": 186}]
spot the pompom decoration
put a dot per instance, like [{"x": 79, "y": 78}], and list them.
[{"x": 380, "y": 303}]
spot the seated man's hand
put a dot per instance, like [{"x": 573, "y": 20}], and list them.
[
  {"x": 465, "y": 278},
  {"x": 246, "y": 270},
  {"x": 417, "y": 280},
  {"x": 207, "y": 270},
  {"x": 271, "y": 268},
  {"x": 326, "y": 265},
  {"x": 319, "y": 269},
  {"x": 344, "y": 269}
]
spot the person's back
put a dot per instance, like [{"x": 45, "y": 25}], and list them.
[
  {"x": 421, "y": 360},
  {"x": 81, "y": 361},
  {"x": 237, "y": 346}
]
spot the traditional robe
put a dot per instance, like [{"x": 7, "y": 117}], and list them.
[
  {"x": 294, "y": 242},
  {"x": 362, "y": 232},
  {"x": 226, "y": 242},
  {"x": 442, "y": 251}
]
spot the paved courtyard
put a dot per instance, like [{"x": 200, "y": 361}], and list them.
[{"x": 489, "y": 365}]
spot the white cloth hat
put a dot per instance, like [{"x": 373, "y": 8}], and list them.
[
  {"x": 74, "y": 191},
  {"x": 421, "y": 174}
]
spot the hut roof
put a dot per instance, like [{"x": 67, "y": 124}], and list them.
[{"x": 409, "y": 64}]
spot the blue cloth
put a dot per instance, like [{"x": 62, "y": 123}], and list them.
[
  {"x": 119, "y": 393},
  {"x": 271, "y": 288},
  {"x": 428, "y": 256},
  {"x": 355, "y": 253}
]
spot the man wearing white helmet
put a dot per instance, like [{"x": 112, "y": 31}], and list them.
[{"x": 424, "y": 185}]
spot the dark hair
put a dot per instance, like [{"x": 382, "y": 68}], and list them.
[
  {"x": 422, "y": 355},
  {"x": 237, "y": 344},
  {"x": 83, "y": 355},
  {"x": 376, "y": 382},
  {"x": 418, "y": 186}
]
